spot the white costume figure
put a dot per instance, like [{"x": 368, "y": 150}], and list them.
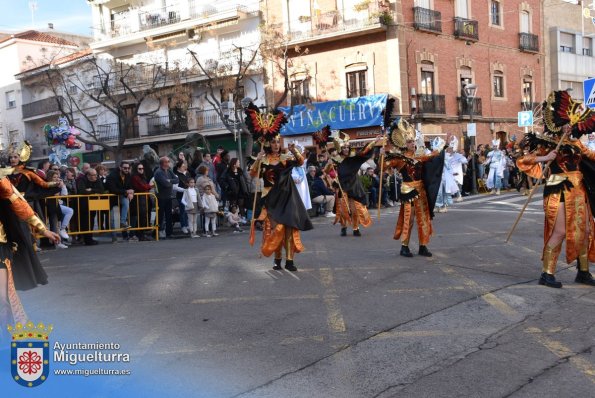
[
  {"x": 420, "y": 145},
  {"x": 496, "y": 159},
  {"x": 448, "y": 185},
  {"x": 301, "y": 182},
  {"x": 457, "y": 161},
  {"x": 591, "y": 142}
]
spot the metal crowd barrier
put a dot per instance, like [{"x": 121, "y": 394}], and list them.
[{"x": 96, "y": 210}]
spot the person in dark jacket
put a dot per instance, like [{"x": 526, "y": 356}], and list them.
[
  {"x": 165, "y": 179},
  {"x": 237, "y": 186},
  {"x": 320, "y": 194},
  {"x": 89, "y": 184},
  {"x": 140, "y": 205},
  {"x": 183, "y": 176},
  {"x": 220, "y": 169},
  {"x": 118, "y": 183}
]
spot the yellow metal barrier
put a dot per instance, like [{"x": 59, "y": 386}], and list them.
[{"x": 101, "y": 206}]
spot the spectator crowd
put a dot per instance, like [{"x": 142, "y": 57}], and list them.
[{"x": 212, "y": 190}]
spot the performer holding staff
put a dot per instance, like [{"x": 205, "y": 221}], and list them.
[{"x": 569, "y": 193}]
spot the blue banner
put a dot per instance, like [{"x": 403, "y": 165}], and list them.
[{"x": 345, "y": 114}]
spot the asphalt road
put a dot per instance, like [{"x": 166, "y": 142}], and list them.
[{"x": 209, "y": 318}]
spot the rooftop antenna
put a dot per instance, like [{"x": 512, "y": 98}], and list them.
[{"x": 33, "y": 8}]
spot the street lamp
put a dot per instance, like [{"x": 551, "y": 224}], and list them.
[{"x": 470, "y": 92}]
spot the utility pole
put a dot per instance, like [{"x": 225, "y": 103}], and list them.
[
  {"x": 33, "y": 8},
  {"x": 470, "y": 92}
]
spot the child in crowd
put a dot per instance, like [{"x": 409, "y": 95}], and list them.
[
  {"x": 234, "y": 219},
  {"x": 211, "y": 208},
  {"x": 192, "y": 204}
]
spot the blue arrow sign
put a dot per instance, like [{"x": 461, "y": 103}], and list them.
[{"x": 589, "y": 92}]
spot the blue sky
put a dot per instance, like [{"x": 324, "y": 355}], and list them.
[{"x": 72, "y": 16}]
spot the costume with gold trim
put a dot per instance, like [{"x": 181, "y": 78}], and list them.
[
  {"x": 422, "y": 175},
  {"x": 571, "y": 181},
  {"x": 351, "y": 197},
  {"x": 413, "y": 196},
  {"x": 567, "y": 184},
  {"x": 17, "y": 256},
  {"x": 283, "y": 214}
]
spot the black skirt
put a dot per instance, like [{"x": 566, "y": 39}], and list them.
[{"x": 26, "y": 268}]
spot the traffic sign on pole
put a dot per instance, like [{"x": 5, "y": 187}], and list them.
[
  {"x": 471, "y": 129},
  {"x": 526, "y": 119},
  {"x": 589, "y": 92}
]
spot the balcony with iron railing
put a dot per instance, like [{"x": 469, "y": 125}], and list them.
[
  {"x": 42, "y": 107},
  {"x": 137, "y": 20},
  {"x": 428, "y": 20},
  {"x": 529, "y": 42},
  {"x": 431, "y": 103},
  {"x": 466, "y": 106},
  {"x": 131, "y": 76},
  {"x": 110, "y": 132},
  {"x": 208, "y": 119},
  {"x": 529, "y": 106},
  {"x": 156, "y": 76},
  {"x": 160, "y": 125},
  {"x": 107, "y": 132},
  {"x": 466, "y": 29},
  {"x": 333, "y": 24}
]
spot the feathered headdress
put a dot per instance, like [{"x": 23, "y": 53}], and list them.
[
  {"x": 387, "y": 112},
  {"x": 560, "y": 109},
  {"x": 264, "y": 127},
  {"x": 24, "y": 150},
  {"x": 341, "y": 142},
  {"x": 496, "y": 143},
  {"x": 401, "y": 132},
  {"x": 321, "y": 137}
]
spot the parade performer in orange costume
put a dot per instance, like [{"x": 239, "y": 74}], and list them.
[
  {"x": 23, "y": 178},
  {"x": 350, "y": 194},
  {"x": 422, "y": 173},
  {"x": 569, "y": 193},
  {"x": 19, "y": 266},
  {"x": 283, "y": 214}
]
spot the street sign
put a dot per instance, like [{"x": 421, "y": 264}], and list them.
[
  {"x": 589, "y": 92},
  {"x": 526, "y": 119},
  {"x": 471, "y": 129}
]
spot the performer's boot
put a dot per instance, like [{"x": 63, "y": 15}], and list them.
[
  {"x": 550, "y": 260},
  {"x": 344, "y": 231},
  {"x": 356, "y": 232},
  {"x": 277, "y": 266},
  {"x": 405, "y": 252},
  {"x": 423, "y": 251},
  {"x": 289, "y": 266},
  {"x": 583, "y": 275}
]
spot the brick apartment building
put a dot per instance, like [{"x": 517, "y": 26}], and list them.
[
  {"x": 495, "y": 44},
  {"x": 348, "y": 49}
]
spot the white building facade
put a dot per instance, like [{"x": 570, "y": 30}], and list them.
[
  {"x": 20, "y": 52},
  {"x": 164, "y": 33}
]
